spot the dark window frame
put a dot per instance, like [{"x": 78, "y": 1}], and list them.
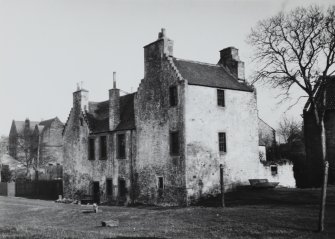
[
  {"x": 222, "y": 137},
  {"x": 103, "y": 147},
  {"x": 174, "y": 143},
  {"x": 274, "y": 170},
  {"x": 121, "y": 149},
  {"x": 91, "y": 148},
  {"x": 173, "y": 96},
  {"x": 221, "y": 101},
  {"x": 160, "y": 185}
]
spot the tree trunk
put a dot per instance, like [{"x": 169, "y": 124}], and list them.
[
  {"x": 325, "y": 176},
  {"x": 222, "y": 186}
]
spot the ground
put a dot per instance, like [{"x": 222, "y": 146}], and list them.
[{"x": 280, "y": 213}]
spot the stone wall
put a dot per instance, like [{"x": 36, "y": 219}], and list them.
[
  {"x": 51, "y": 143},
  {"x": 284, "y": 174},
  {"x": 80, "y": 172},
  {"x": 155, "y": 119},
  {"x": 204, "y": 120}
]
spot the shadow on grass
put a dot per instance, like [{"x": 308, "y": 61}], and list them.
[
  {"x": 89, "y": 211},
  {"x": 121, "y": 237},
  {"x": 277, "y": 197}
]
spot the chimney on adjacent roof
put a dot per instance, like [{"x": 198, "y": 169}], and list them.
[
  {"x": 80, "y": 98},
  {"x": 229, "y": 57},
  {"x": 155, "y": 51},
  {"x": 114, "y": 105}
]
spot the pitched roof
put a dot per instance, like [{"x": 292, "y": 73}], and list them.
[
  {"x": 327, "y": 85},
  {"x": 203, "y": 74},
  {"x": 127, "y": 115},
  {"x": 47, "y": 123},
  {"x": 21, "y": 124},
  {"x": 98, "y": 115}
]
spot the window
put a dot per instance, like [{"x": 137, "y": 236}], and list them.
[
  {"x": 174, "y": 143},
  {"x": 222, "y": 142},
  {"x": 173, "y": 95},
  {"x": 109, "y": 187},
  {"x": 274, "y": 170},
  {"x": 103, "y": 147},
  {"x": 121, "y": 141},
  {"x": 91, "y": 149},
  {"x": 221, "y": 100},
  {"x": 160, "y": 186}
]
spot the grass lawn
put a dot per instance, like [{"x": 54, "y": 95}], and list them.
[{"x": 280, "y": 213}]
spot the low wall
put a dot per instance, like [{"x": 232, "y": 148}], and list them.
[{"x": 278, "y": 173}]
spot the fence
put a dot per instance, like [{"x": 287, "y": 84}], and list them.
[{"x": 39, "y": 189}]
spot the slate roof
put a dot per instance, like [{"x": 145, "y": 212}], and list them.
[
  {"x": 329, "y": 86},
  {"x": 47, "y": 123},
  {"x": 98, "y": 115},
  {"x": 203, "y": 74}
]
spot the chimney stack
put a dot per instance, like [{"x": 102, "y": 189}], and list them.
[
  {"x": 80, "y": 98},
  {"x": 114, "y": 105},
  {"x": 229, "y": 58},
  {"x": 157, "y": 50}
]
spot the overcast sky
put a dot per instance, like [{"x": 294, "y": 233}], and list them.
[{"x": 46, "y": 47}]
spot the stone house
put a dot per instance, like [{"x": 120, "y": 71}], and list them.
[
  {"x": 312, "y": 134},
  {"x": 45, "y": 138},
  {"x": 164, "y": 144},
  {"x": 99, "y": 146}
]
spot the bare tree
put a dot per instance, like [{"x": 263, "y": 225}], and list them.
[
  {"x": 3, "y": 145},
  {"x": 298, "y": 49},
  {"x": 27, "y": 149},
  {"x": 289, "y": 130}
]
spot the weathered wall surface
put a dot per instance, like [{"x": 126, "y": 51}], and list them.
[
  {"x": 204, "y": 120},
  {"x": 155, "y": 119},
  {"x": 51, "y": 143},
  {"x": 80, "y": 172}
]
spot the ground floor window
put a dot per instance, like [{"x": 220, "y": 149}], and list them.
[
  {"x": 160, "y": 185},
  {"x": 274, "y": 170},
  {"x": 109, "y": 187}
]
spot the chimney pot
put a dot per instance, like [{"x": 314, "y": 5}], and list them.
[{"x": 114, "y": 80}]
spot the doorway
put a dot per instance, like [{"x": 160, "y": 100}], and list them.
[{"x": 96, "y": 192}]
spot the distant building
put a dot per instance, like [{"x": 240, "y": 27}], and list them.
[
  {"x": 312, "y": 134},
  {"x": 45, "y": 138},
  {"x": 164, "y": 144},
  {"x": 267, "y": 140}
]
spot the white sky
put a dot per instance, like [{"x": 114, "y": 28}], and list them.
[{"x": 47, "y": 46}]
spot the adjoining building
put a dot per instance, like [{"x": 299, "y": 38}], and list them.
[
  {"x": 313, "y": 136},
  {"x": 165, "y": 143}
]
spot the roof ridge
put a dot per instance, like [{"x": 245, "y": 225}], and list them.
[{"x": 198, "y": 62}]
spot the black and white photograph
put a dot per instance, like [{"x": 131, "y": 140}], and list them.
[{"x": 167, "y": 119}]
